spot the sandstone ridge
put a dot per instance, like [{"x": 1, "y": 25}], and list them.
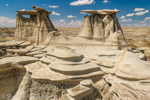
[{"x": 45, "y": 64}]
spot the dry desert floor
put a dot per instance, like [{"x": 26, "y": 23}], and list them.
[{"x": 137, "y": 37}]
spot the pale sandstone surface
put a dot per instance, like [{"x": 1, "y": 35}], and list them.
[{"x": 97, "y": 64}]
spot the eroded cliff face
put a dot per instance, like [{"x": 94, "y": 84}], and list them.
[
  {"x": 34, "y": 29},
  {"x": 25, "y": 27},
  {"x": 104, "y": 28},
  {"x": 69, "y": 72}
]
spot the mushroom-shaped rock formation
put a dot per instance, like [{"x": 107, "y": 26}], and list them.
[
  {"x": 104, "y": 27},
  {"x": 102, "y": 12},
  {"x": 35, "y": 28},
  {"x": 72, "y": 71},
  {"x": 68, "y": 66},
  {"x": 81, "y": 91}
]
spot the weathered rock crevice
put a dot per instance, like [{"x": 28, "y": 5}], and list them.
[{"x": 34, "y": 29}]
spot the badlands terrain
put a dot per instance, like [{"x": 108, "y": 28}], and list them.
[
  {"x": 99, "y": 61},
  {"x": 137, "y": 37}
]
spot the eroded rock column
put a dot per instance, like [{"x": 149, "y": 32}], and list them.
[{"x": 103, "y": 26}]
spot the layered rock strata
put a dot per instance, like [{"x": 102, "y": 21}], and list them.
[
  {"x": 103, "y": 26},
  {"x": 74, "y": 72},
  {"x": 35, "y": 28},
  {"x": 61, "y": 73}
]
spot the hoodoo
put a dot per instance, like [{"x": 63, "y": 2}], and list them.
[
  {"x": 36, "y": 28},
  {"x": 103, "y": 26},
  {"x": 72, "y": 68}
]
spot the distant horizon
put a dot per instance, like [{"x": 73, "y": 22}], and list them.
[{"x": 67, "y": 13}]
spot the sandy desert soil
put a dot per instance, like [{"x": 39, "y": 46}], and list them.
[
  {"x": 7, "y": 33},
  {"x": 137, "y": 37}
]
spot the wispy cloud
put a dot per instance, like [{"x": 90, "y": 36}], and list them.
[
  {"x": 54, "y": 13},
  {"x": 7, "y": 4},
  {"x": 138, "y": 9},
  {"x": 129, "y": 15},
  {"x": 136, "y": 25},
  {"x": 140, "y": 25},
  {"x": 105, "y": 1},
  {"x": 122, "y": 17},
  {"x": 5, "y": 21},
  {"x": 70, "y": 16},
  {"x": 22, "y": 10},
  {"x": 53, "y": 6},
  {"x": 126, "y": 20},
  {"x": 82, "y": 2},
  {"x": 142, "y": 13},
  {"x": 146, "y": 18},
  {"x": 62, "y": 23},
  {"x": 76, "y": 23},
  {"x": 83, "y": 13},
  {"x": 142, "y": 22},
  {"x": 61, "y": 20}
]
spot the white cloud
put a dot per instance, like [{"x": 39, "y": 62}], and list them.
[
  {"x": 76, "y": 23},
  {"x": 140, "y": 25},
  {"x": 122, "y": 17},
  {"x": 70, "y": 16},
  {"x": 126, "y": 20},
  {"x": 135, "y": 25},
  {"x": 146, "y": 18},
  {"x": 115, "y": 9},
  {"x": 138, "y": 9},
  {"x": 142, "y": 13},
  {"x": 5, "y": 21},
  {"x": 142, "y": 22},
  {"x": 82, "y": 2},
  {"x": 54, "y": 13},
  {"x": 105, "y": 1},
  {"x": 62, "y": 23},
  {"x": 132, "y": 14},
  {"x": 83, "y": 13},
  {"x": 129, "y": 25},
  {"x": 61, "y": 20},
  {"x": 135, "y": 21},
  {"x": 72, "y": 22},
  {"x": 7, "y": 4},
  {"x": 22, "y": 10},
  {"x": 53, "y": 6}
]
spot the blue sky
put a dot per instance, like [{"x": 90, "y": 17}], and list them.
[{"x": 66, "y": 13}]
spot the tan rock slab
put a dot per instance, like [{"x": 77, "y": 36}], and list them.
[
  {"x": 5, "y": 62},
  {"x": 74, "y": 70},
  {"x": 87, "y": 82},
  {"x": 79, "y": 92},
  {"x": 25, "y": 44},
  {"x": 103, "y": 12},
  {"x": 131, "y": 67},
  {"x": 25, "y": 50},
  {"x": 34, "y": 53},
  {"x": 46, "y": 60},
  {"x": 38, "y": 55},
  {"x": 30, "y": 12},
  {"x": 65, "y": 53}
]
